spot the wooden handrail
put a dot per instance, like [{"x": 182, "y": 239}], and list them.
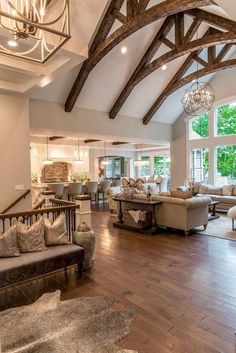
[
  {"x": 16, "y": 201},
  {"x": 37, "y": 212},
  {"x": 39, "y": 204}
]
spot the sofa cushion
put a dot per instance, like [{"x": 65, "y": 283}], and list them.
[
  {"x": 56, "y": 232},
  {"x": 203, "y": 188},
  {"x": 214, "y": 190},
  {"x": 227, "y": 190},
  {"x": 181, "y": 194},
  {"x": 31, "y": 239},
  {"x": 234, "y": 191},
  {"x": 8, "y": 243},
  {"x": 227, "y": 199},
  {"x": 28, "y": 265}
]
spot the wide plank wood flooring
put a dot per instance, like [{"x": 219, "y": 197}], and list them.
[{"x": 182, "y": 290}]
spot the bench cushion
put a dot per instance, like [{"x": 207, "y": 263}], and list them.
[{"x": 28, "y": 265}]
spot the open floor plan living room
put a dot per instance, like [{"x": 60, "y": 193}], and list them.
[{"x": 118, "y": 176}]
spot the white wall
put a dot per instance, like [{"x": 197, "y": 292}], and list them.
[
  {"x": 50, "y": 118},
  {"x": 223, "y": 84},
  {"x": 14, "y": 149}
]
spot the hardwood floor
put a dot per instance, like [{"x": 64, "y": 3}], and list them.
[{"x": 183, "y": 291}]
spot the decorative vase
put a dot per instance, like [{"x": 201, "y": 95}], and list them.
[{"x": 84, "y": 236}]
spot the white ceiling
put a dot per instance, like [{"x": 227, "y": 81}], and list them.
[{"x": 54, "y": 81}]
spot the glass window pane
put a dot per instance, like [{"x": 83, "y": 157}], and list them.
[
  {"x": 199, "y": 127},
  {"x": 226, "y": 164},
  {"x": 145, "y": 169},
  {"x": 158, "y": 165},
  {"x": 199, "y": 164},
  {"x": 226, "y": 120}
]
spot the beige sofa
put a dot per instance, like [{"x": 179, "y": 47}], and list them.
[
  {"x": 226, "y": 194},
  {"x": 174, "y": 212}
]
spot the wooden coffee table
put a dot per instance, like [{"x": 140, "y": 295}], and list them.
[
  {"x": 153, "y": 204},
  {"x": 212, "y": 210}
]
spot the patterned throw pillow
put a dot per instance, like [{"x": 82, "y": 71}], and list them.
[
  {"x": 181, "y": 194},
  {"x": 234, "y": 191},
  {"x": 56, "y": 233},
  {"x": 227, "y": 190},
  {"x": 31, "y": 239},
  {"x": 8, "y": 243},
  {"x": 203, "y": 189},
  {"x": 214, "y": 190}
]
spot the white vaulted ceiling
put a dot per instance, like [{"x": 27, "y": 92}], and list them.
[{"x": 110, "y": 75}]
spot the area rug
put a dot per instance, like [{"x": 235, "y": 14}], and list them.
[
  {"x": 220, "y": 228},
  {"x": 82, "y": 325}
]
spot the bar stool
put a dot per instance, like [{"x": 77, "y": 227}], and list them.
[
  {"x": 75, "y": 189},
  {"x": 91, "y": 188},
  {"x": 57, "y": 188},
  {"x": 104, "y": 185}
]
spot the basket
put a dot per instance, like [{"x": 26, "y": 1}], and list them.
[{"x": 128, "y": 220}]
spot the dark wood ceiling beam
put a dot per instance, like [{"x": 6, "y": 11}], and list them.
[
  {"x": 192, "y": 30},
  {"x": 167, "y": 42},
  {"x": 91, "y": 140},
  {"x": 223, "y": 52},
  {"x": 200, "y": 61},
  {"x": 146, "y": 59},
  {"x": 143, "y": 4},
  {"x": 179, "y": 29},
  {"x": 54, "y": 138},
  {"x": 164, "y": 95},
  {"x": 120, "y": 17},
  {"x": 204, "y": 42},
  {"x": 213, "y": 19},
  {"x": 101, "y": 46},
  {"x": 118, "y": 143},
  {"x": 131, "y": 8}
]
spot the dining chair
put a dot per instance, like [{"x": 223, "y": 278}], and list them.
[
  {"x": 151, "y": 179},
  {"x": 158, "y": 182},
  {"x": 74, "y": 190},
  {"x": 139, "y": 183},
  {"x": 132, "y": 182},
  {"x": 124, "y": 182},
  {"x": 104, "y": 185},
  {"x": 57, "y": 188},
  {"x": 91, "y": 188}
]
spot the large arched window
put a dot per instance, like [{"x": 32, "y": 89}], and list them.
[{"x": 211, "y": 145}]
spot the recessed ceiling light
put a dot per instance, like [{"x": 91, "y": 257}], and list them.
[
  {"x": 164, "y": 67},
  {"x": 12, "y": 43},
  {"x": 124, "y": 50}
]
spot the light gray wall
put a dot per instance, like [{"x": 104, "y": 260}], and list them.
[
  {"x": 225, "y": 88},
  {"x": 14, "y": 150},
  {"x": 50, "y": 118}
]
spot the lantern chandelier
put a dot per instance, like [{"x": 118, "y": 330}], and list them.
[{"x": 33, "y": 29}]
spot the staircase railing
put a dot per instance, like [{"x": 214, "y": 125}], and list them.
[{"x": 23, "y": 196}]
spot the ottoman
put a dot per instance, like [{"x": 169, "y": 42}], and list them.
[{"x": 232, "y": 214}]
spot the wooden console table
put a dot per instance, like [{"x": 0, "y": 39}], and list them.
[{"x": 153, "y": 204}]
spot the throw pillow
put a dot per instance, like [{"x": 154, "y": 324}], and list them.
[
  {"x": 203, "y": 189},
  {"x": 234, "y": 191},
  {"x": 227, "y": 190},
  {"x": 181, "y": 194},
  {"x": 214, "y": 190},
  {"x": 196, "y": 187},
  {"x": 8, "y": 243},
  {"x": 31, "y": 239},
  {"x": 56, "y": 232}
]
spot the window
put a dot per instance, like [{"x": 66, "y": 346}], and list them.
[
  {"x": 199, "y": 164},
  {"x": 226, "y": 164},
  {"x": 226, "y": 120},
  {"x": 199, "y": 127},
  {"x": 162, "y": 165},
  {"x": 145, "y": 169}
]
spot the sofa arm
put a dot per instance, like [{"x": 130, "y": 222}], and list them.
[{"x": 197, "y": 202}]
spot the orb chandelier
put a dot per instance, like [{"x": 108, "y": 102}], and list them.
[
  {"x": 33, "y": 29},
  {"x": 198, "y": 98}
]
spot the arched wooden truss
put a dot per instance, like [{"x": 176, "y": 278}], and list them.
[
  {"x": 137, "y": 16},
  {"x": 184, "y": 43}
]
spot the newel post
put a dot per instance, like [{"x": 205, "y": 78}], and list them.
[
  {"x": 83, "y": 213},
  {"x": 47, "y": 196}
]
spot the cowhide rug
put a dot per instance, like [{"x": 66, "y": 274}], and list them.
[{"x": 83, "y": 325}]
